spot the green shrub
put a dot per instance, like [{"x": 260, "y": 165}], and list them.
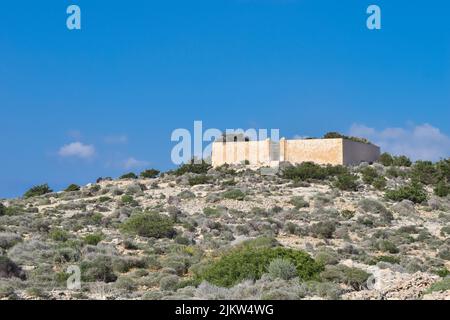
[
  {"x": 150, "y": 174},
  {"x": 130, "y": 175},
  {"x": 443, "y": 272},
  {"x": 347, "y": 214},
  {"x": 169, "y": 282},
  {"x": 37, "y": 191},
  {"x": 442, "y": 285},
  {"x": 387, "y": 246},
  {"x": 346, "y": 182},
  {"x": 199, "y": 168},
  {"x": 386, "y": 159},
  {"x": 389, "y": 259},
  {"x": 442, "y": 189},
  {"x": 98, "y": 269},
  {"x": 93, "y": 239},
  {"x": 148, "y": 224},
  {"x": 230, "y": 182},
  {"x": 72, "y": 187},
  {"x": 413, "y": 192},
  {"x": 424, "y": 172},
  {"x": 200, "y": 179},
  {"x": 323, "y": 229},
  {"x": 369, "y": 174},
  {"x": 336, "y": 135},
  {"x": 127, "y": 199},
  {"x": 248, "y": 262},
  {"x": 305, "y": 171},
  {"x": 402, "y": 161},
  {"x": 298, "y": 202},
  {"x": 59, "y": 235},
  {"x": 104, "y": 199},
  {"x": 2, "y": 210},
  {"x": 443, "y": 168},
  {"x": 310, "y": 171},
  {"x": 354, "y": 277},
  {"x": 282, "y": 269},
  {"x": 379, "y": 183},
  {"x": 212, "y": 212},
  {"x": 235, "y": 194}
]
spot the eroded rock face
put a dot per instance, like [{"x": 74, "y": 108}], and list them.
[
  {"x": 389, "y": 285},
  {"x": 9, "y": 269}
]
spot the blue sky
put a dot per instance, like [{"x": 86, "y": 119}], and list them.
[{"x": 104, "y": 100}]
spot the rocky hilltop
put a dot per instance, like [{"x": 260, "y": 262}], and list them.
[{"x": 377, "y": 231}]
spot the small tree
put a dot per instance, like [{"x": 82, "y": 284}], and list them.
[
  {"x": 130, "y": 175},
  {"x": 72, "y": 187},
  {"x": 413, "y": 192},
  {"x": 402, "y": 161},
  {"x": 149, "y": 224},
  {"x": 386, "y": 159},
  {"x": 38, "y": 191},
  {"x": 442, "y": 189},
  {"x": 150, "y": 174}
]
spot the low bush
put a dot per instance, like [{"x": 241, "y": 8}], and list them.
[
  {"x": 129, "y": 200},
  {"x": 442, "y": 285},
  {"x": 282, "y": 268},
  {"x": 37, "y": 191},
  {"x": 369, "y": 174},
  {"x": 346, "y": 182},
  {"x": 248, "y": 262},
  {"x": 192, "y": 167},
  {"x": 200, "y": 179},
  {"x": 298, "y": 202},
  {"x": 235, "y": 194},
  {"x": 354, "y": 277},
  {"x": 442, "y": 189},
  {"x": 386, "y": 159},
  {"x": 169, "y": 283},
  {"x": 334, "y": 135},
  {"x": 130, "y": 175},
  {"x": 72, "y": 187},
  {"x": 323, "y": 229},
  {"x": 150, "y": 174},
  {"x": 93, "y": 239},
  {"x": 413, "y": 192},
  {"x": 311, "y": 171},
  {"x": 59, "y": 235},
  {"x": 8, "y": 240},
  {"x": 379, "y": 183},
  {"x": 424, "y": 172},
  {"x": 98, "y": 269},
  {"x": 149, "y": 224},
  {"x": 9, "y": 268},
  {"x": 387, "y": 246},
  {"x": 402, "y": 161}
]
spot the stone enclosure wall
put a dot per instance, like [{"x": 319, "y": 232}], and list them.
[{"x": 322, "y": 151}]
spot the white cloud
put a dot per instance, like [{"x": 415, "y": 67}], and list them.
[
  {"x": 132, "y": 163},
  {"x": 78, "y": 150},
  {"x": 119, "y": 139},
  {"x": 419, "y": 142}
]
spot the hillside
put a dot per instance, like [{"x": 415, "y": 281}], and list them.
[{"x": 365, "y": 232}]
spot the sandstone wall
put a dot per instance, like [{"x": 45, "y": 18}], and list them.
[
  {"x": 256, "y": 152},
  {"x": 321, "y": 151}
]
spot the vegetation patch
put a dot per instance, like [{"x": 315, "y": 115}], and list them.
[
  {"x": 251, "y": 263},
  {"x": 149, "y": 224}
]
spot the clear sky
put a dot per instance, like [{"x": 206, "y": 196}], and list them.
[{"x": 104, "y": 100}]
